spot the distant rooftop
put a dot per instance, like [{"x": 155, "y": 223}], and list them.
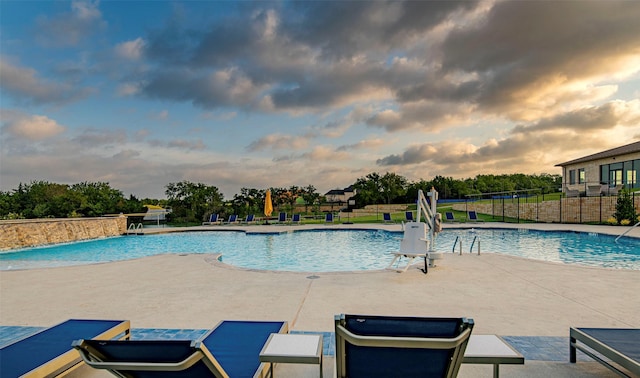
[{"x": 623, "y": 150}]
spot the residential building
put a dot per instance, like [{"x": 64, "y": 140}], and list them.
[
  {"x": 340, "y": 195},
  {"x": 602, "y": 173}
]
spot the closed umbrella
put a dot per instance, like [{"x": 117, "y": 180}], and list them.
[{"x": 268, "y": 206}]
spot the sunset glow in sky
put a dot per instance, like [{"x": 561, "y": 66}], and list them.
[{"x": 278, "y": 93}]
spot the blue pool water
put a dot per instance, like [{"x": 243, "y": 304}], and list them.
[{"x": 330, "y": 251}]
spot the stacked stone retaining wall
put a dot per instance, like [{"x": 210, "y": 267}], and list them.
[{"x": 33, "y": 232}]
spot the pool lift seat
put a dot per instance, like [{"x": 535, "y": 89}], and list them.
[{"x": 419, "y": 237}]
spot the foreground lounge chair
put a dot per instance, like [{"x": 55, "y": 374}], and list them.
[
  {"x": 233, "y": 218},
  {"x": 295, "y": 219},
  {"x": 282, "y": 218},
  {"x": 386, "y": 346},
  {"x": 616, "y": 348},
  {"x": 386, "y": 218},
  {"x": 231, "y": 349},
  {"x": 249, "y": 219},
  {"x": 49, "y": 352}
]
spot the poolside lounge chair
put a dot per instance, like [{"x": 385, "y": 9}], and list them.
[
  {"x": 414, "y": 244},
  {"x": 616, "y": 348},
  {"x": 213, "y": 219},
  {"x": 231, "y": 349},
  {"x": 408, "y": 215},
  {"x": 328, "y": 218},
  {"x": 593, "y": 190},
  {"x": 473, "y": 216},
  {"x": 249, "y": 219},
  {"x": 386, "y": 218},
  {"x": 282, "y": 217},
  {"x": 386, "y": 346},
  {"x": 572, "y": 193},
  {"x": 295, "y": 218},
  {"x": 49, "y": 352},
  {"x": 449, "y": 217},
  {"x": 233, "y": 218}
]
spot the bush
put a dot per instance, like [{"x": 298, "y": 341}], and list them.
[{"x": 624, "y": 208}]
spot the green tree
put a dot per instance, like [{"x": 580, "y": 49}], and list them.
[
  {"x": 310, "y": 197},
  {"x": 392, "y": 187},
  {"x": 368, "y": 190},
  {"x": 191, "y": 202},
  {"x": 625, "y": 209}
]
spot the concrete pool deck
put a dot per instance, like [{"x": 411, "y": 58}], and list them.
[{"x": 507, "y": 296}]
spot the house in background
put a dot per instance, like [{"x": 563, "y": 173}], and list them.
[
  {"x": 603, "y": 173},
  {"x": 340, "y": 195}
]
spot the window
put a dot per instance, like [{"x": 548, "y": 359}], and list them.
[
  {"x": 581, "y": 179},
  {"x": 604, "y": 174},
  {"x": 572, "y": 176}
]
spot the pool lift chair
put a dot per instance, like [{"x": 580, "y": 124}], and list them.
[{"x": 417, "y": 242}]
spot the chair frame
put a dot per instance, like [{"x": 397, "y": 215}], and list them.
[
  {"x": 199, "y": 353},
  {"x": 68, "y": 361},
  {"x": 580, "y": 339},
  {"x": 343, "y": 336}
]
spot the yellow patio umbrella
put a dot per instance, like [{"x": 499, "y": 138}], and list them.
[{"x": 268, "y": 206}]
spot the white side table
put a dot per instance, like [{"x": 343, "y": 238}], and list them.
[
  {"x": 491, "y": 349},
  {"x": 292, "y": 348}
]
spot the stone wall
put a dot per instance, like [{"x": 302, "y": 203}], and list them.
[
  {"x": 33, "y": 232},
  {"x": 566, "y": 210}
]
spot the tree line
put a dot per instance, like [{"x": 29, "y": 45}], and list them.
[{"x": 193, "y": 202}]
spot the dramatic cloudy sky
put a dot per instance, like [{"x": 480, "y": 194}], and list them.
[{"x": 272, "y": 94}]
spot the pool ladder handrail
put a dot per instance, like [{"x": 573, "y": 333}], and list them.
[
  {"x": 135, "y": 229},
  {"x": 626, "y": 232},
  {"x": 453, "y": 249},
  {"x": 474, "y": 242}
]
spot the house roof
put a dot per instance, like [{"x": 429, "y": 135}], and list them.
[{"x": 622, "y": 150}]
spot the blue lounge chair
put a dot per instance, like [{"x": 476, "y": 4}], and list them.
[
  {"x": 386, "y": 218},
  {"x": 328, "y": 218},
  {"x": 295, "y": 218},
  {"x": 49, "y": 352},
  {"x": 473, "y": 216},
  {"x": 249, "y": 219},
  {"x": 386, "y": 346},
  {"x": 616, "y": 348},
  {"x": 409, "y": 216},
  {"x": 282, "y": 217},
  {"x": 231, "y": 349},
  {"x": 233, "y": 219},
  {"x": 448, "y": 217}
]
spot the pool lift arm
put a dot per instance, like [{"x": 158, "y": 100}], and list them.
[{"x": 626, "y": 232}]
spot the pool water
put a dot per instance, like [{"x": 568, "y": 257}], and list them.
[{"x": 332, "y": 250}]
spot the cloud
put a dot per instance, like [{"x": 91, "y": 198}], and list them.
[
  {"x": 30, "y": 127},
  {"x": 24, "y": 84},
  {"x": 131, "y": 50},
  {"x": 526, "y": 147},
  {"x": 187, "y": 145},
  {"x": 539, "y": 55},
  {"x": 365, "y": 144},
  {"x": 279, "y": 142},
  {"x": 70, "y": 28},
  {"x": 99, "y": 138}
]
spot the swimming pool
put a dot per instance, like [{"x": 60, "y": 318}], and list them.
[{"x": 331, "y": 250}]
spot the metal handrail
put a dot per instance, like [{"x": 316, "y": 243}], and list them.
[
  {"x": 453, "y": 249},
  {"x": 474, "y": 242}
]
